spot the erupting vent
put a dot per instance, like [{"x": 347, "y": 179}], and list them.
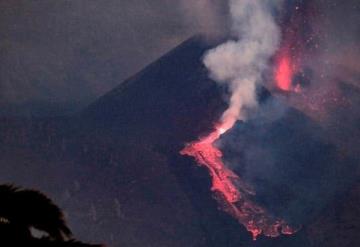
[
  {"x": 286, "y": 68},
  {"x": 284, "y": 72}
]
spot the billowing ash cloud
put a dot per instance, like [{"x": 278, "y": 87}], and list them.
[{"x": 240, "y": 62}]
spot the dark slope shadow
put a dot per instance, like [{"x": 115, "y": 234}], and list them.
[{"x": 290, "y": 162}]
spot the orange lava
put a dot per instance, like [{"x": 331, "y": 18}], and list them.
[
  {"x": 284, "y": 73},
  {"x": 231, "y": 192}
]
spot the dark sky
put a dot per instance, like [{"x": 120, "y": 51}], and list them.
[
  {"x": 74, "y": 51},
  {"x": 63, "y": 51}
]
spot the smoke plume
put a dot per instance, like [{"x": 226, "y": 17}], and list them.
[
  {"x": 301, "y": 131},
  {"x": 239, "y": 63}
]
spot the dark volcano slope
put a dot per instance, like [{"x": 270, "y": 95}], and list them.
[
  {"x": 116, "y": 170},
  {"x": 172, "y": 101},
  {"x": 171, "y": 98},
  {"x": 295, "y": 171},
  {"x": 109, "y": 166},
  {"x": 153, "y": 115},
  {"x": 156, "y": 112}
]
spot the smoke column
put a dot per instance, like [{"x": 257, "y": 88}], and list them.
[{"x": 239, "y": 63}]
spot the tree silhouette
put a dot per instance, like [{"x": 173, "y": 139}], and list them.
[{"x": 22, "y": 210}]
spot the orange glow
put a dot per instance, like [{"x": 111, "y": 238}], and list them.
[
  {"x": 284, "y": 73},
  {"x": 232, "y": 193}
]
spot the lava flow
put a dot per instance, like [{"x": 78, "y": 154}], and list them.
[{"x": 232, "y": 193}]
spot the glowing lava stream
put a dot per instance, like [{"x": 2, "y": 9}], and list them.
[{"x": 232, "y": 193}]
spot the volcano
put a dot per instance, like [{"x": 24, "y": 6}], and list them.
[{"x": 116, "y": 169}]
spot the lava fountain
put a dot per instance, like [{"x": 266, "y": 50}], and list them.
[
  {"x": 298, "y": 38},
  {"x": 284, "y": 72},
  {"x": 232, "y": 193}
]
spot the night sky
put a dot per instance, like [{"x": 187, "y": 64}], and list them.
[
  {"x": 75, "y": 51},
  {"x": 70, "y": 52}
]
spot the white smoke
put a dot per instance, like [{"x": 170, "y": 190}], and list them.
[{"x": 240, "y": 63}]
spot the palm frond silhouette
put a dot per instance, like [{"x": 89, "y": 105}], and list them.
[{"x": 24, "y": 209}]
